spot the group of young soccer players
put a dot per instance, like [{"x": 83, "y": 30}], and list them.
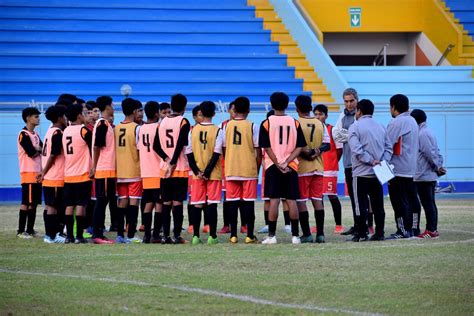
[{"x": 87, "y": 163}]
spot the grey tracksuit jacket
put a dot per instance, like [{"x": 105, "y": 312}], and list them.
[{"x": 429, "y": 158}]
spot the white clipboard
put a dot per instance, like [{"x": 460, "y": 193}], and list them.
[{"x": 384, "y": 172}]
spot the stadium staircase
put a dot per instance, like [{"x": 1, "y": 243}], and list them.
[
  {"x": 214, "y": 49},
  {"x": 462, "y": 13},
  {"x": 430, "y": 84}
]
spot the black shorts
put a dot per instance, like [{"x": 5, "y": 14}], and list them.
[
  {"x": 174, "y": 189},
  {"x": 151, "y": 196},
  {"x": 77, "y": 193},
  {"x": 280, "y": 185},
  {"x": 53, "y": 196},
  {"x": 31, "y": 193},
  {"x": 106, "y": 187}
]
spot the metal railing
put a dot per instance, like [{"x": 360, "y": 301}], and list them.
[
  {"x": 445, "y": 54},
  {"x": 381, "y": 56}
]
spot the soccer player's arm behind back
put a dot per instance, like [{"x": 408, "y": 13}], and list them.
[{"x": 27, "y": 145}]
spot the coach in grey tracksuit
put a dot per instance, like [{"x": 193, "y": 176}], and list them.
[
  {"x": 402, "y": 134},
  {"x": 429, "y": 168},
  {"x": 340, "y": 133},
  {"x": 367, "y": 141}
]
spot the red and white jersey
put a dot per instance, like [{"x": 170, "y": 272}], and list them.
[{"x": 331, "y": 163}]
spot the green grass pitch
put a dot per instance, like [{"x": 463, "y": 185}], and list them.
[{"x": 408, "y": 277}]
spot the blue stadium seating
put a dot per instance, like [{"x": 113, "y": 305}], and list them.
[
  {"x": 215, "y": 49},
  {"x": 464, "y": 11}
]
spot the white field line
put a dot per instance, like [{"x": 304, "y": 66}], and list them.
[{"x": 243, "y": 298}]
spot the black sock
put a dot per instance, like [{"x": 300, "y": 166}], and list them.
[
  {"x": 89, "y": 218},
  {"x": 319, "y": 215},
  {"x": 190, "y": 214},
  {"x": 147, "y": 219},
  {"x": 370, "y": 219},
  {"x": 233, "y": 217},
  {"x": 286, "y": 215},
  {"x": 196, "y": 221},
  {"x": 132, "y": 216},
  {"x": 304, "y": 222},
  {"x": 157, "y": 224},
  {"x": 177, "y": 220},
  {"x": 249, "y": 210},
  {"x": 211, "y": 211},
  {"x": 272, "y": 225},
  {"x": 243, "y": 219},
  {"x": 69, "y": 219},
  {"x": 53, "y": 224},
  {"x": 22, "y": 216},
  {"x": 166, "y": 216},
  {"x": 206, "y": 218},
  {"x": 294, "y": 227},
  {"x": 142, "y": 212},
  {"x": 265, "y": 216},
  {"x": 61, "y": 220},
  {"x": 336, "y": 208},
  {"x": 225, "y": 213},
  {"x": 46, "y": 224},
  {"x": 80, "y": 223},
  {"x": 31, "y": 220},
  {"x": 120, "y": 220},
  {"x": 98, "y": 217}
]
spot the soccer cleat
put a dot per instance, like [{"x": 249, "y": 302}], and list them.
[
  {"x": 249, "y": 240},
  {"x": 33, "y": 233},
  {"x": 212, "y": 241},
  {"x": 196, "y": 241},
  {"x": 350, "y": 231},
  {"x": 313, "y": 230},
  {"x": 134, "y": 240},
  {"x": 371, "y": 230},
  {"x": 295, "y": 240},
  {"x": 86, "y": 235},
  {"x": 428, "y": 235},
  {"x": 376, "y": 237},
  {"x": 287, "y": 229},
  {"x": 58, "y": 239},
  {"x": 357, "y": 238},
  {"x": 120, "y": 240},
  {"x": 112, "y": 228},
  {"x": 269, "y": 240},
  {"x": 179, "y": 240},
  {"x": 306, "y": 239},
  {"x": 263, "y": 230},
  {"x": 320, "y": 239},
  {"x": 205, "y": 229},
  {"x": 24, "y": 235},
  {"x": 233, "y": 240},
  {"x": 80, "y": 241},
  {"x": 397, "y": 236},
  {"x": 141, "y": 228},
  {"x": 102, "y": 241},
  {"x": 69, "y": 240},
  {"x": 166, "y": 240},
  {"x": 90, "y": 230},
  {"x": 338, "y": 229},
  {"x": 190, "y": 229},
  {"x": 224, "y": 230},
  {"x": 156, "y": 240},
  {"x": 48, "y": 240},
  {"x": 146, "y": 240},
  {"x": 243, "y": 229}
]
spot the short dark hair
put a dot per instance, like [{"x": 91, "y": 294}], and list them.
[
  {"x": 53, "y": 113},
  {"x": 88, "y": 106},
  {"x": 93, "y": 104},
  {"x": 270, "y": 113},
  {"x": 71, "y": 98},
  {"x": 242, "y": 105},
  {"x": 128, "y": 106},
  {"x": 279, "y": 101},
  {"x": 400, "y": 103},
  {"x": 151, "y": 109},
  {"x": 81, "y": 101},
  {"x": 178, "y": 103},
  {"x": 64, "y": 102},
  {"x": 232, "y": 103},
  {"x": 419, "y": 116},
  {"x": 103, "y": 101},
  {"x": 208, "y": 108},
  {"x": 321, "y": 108},
  {"x": 164, "y": 106},
  {"x": 304, "y": 103},
  {"x": 73, "y": 111},
  {"x": 366, "y": 107},
  {"x": 196, "y": 109},
  {"x": 29, "y": 111}
]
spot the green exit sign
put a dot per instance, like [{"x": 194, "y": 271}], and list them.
[{"x": 355, "y": 15}]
